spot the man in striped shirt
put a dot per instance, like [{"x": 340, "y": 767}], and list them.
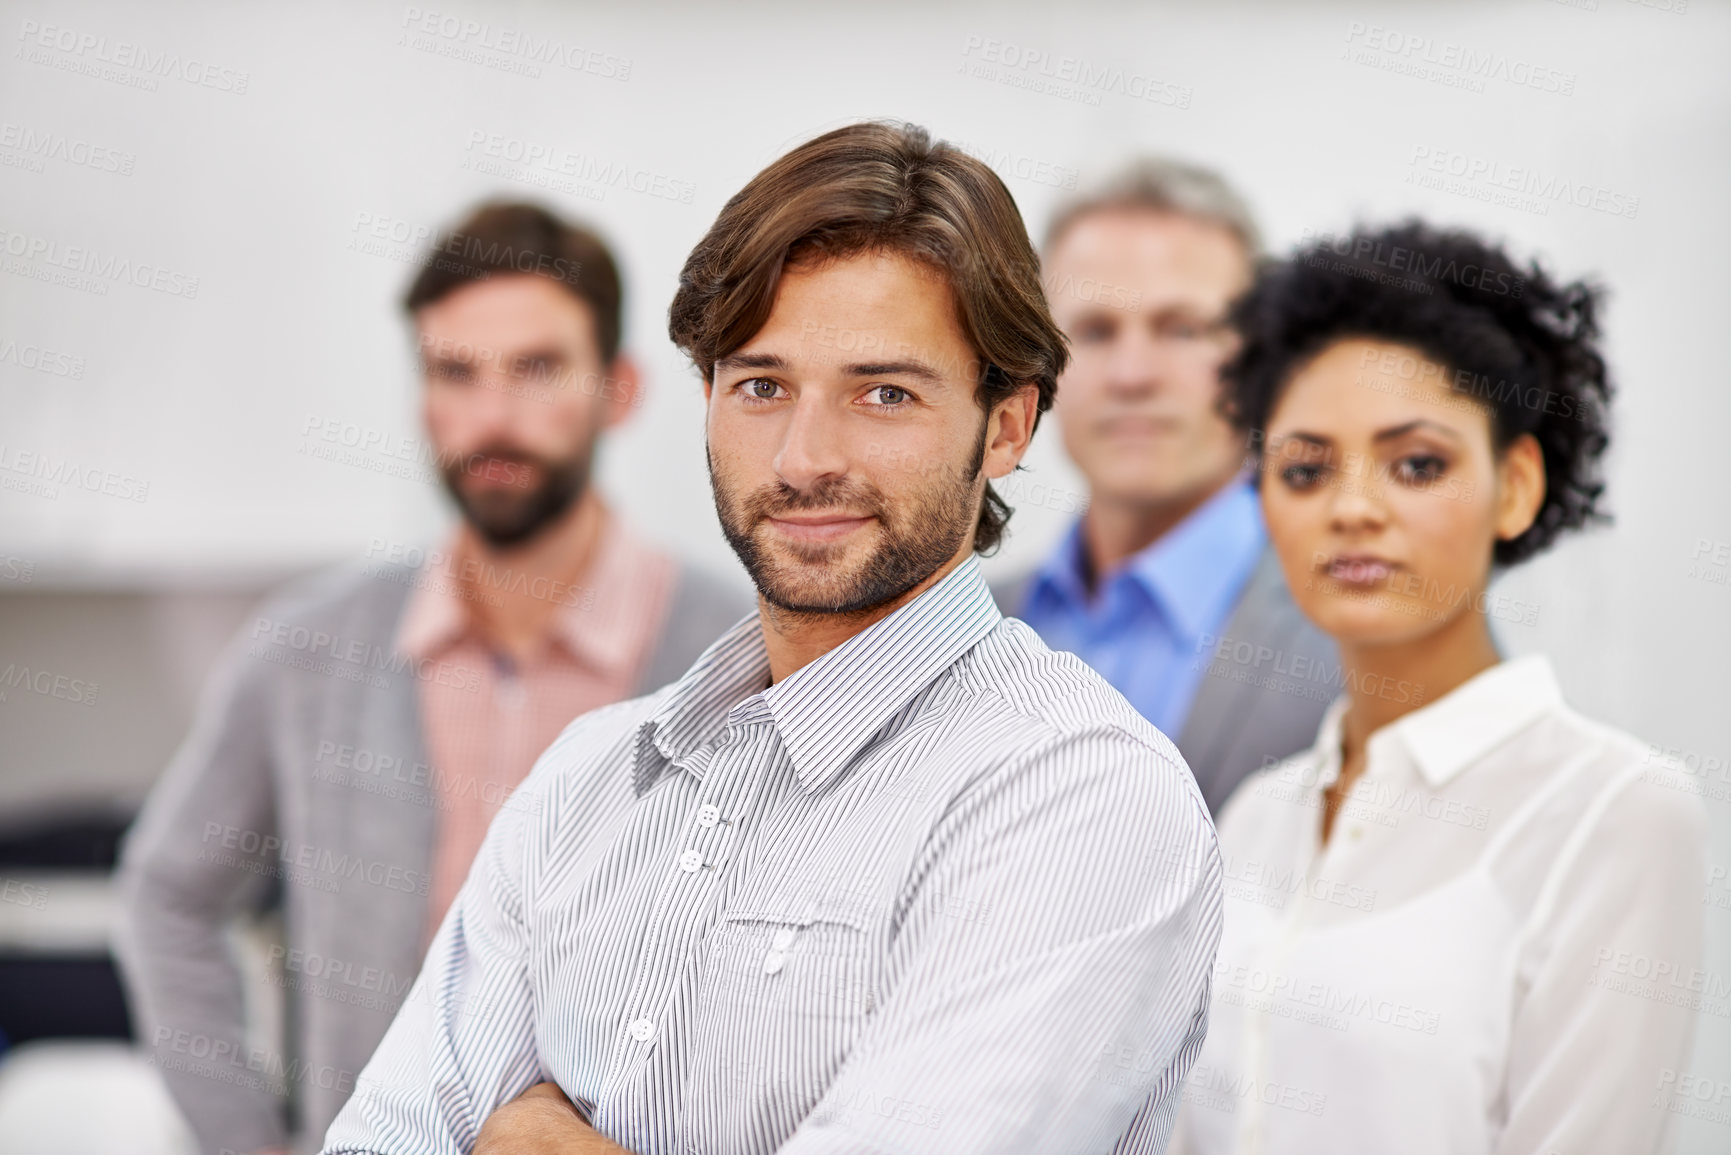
[{"x": 881, "y": 872}]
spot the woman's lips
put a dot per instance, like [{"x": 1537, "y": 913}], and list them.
[{"x": 1360, "y": 571}]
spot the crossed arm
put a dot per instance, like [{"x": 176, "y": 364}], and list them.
[{"x": 541, "y": 1121}]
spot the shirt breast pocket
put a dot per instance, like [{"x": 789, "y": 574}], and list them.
[{"x": 784, "y": 994}]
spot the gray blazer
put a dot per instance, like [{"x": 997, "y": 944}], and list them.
[
  {"x": 1271, "y": 676},
  {"x": 304, "y": 787}
]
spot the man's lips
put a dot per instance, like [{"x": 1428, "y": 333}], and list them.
[
  {"x": 1136, "y": 427},
  {"x": 823, "y": 527},
  {"x": 498, "y": 473},
  {"x": 1359, "y": 569}
]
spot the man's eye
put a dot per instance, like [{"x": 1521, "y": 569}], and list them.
[
  {"x": 759, "y": 388},
  {"x": 1420, "y": 468},
  {"x": 889, "y": 395},
  {"x": 1301, "y": 476}
]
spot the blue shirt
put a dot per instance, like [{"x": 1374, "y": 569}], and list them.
[{"x": 1146, "y": 627}]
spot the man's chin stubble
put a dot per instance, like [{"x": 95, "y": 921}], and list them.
[
  {"x": 815, "y": 598},
  {"x": 795, "y": 581}
]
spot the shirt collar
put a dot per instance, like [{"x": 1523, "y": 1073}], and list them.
[
  {"x": 1060, "y": 576},
  {"x": 1193, "y": 572},
  {"x": 590, "y": 623},
  {"x": 1474, "y": 718},
  {"x": 827, "y": 710},
  {"x": 594, "y": 622},
  {"x": 434, "y": 616},
  {"x": 1327, "y": 748}
]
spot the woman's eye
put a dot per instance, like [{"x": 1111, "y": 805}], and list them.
[
  {"x": 1301, "y": 476},
  {"x": 1420, "y": 468},
  {"x": 889, "y": 394}
]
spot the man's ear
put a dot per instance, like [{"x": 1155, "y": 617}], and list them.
[
  {"x": 1520, "y": 487},
  {"x": 1009, "y": 430},
  {"x": 621, "y": 389}
]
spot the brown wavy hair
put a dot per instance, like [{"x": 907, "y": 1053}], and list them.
[
  {"x": 880, "y": 186},
  {"x": 500, "y": 238}
]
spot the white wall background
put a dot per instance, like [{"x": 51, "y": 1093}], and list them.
[{"x": 344, "y": 118}]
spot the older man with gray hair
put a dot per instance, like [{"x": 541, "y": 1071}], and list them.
[{"x": 1165, "y": 584}]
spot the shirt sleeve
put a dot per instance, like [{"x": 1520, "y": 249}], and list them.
[
  {"x": 1054, "y": 957},
  {"x": 464, "y": 1040},
  {"x": 199, "y": 855},
  {"x": 1612, "y": 979}
]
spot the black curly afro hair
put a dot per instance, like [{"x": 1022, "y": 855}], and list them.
[{"x": 1519, "y": 342}]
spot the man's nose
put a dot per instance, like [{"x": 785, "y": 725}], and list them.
[
  {"x": 1134, "y": 363},
  {"x": 492, "y": 404},
  {"x": 814, "y": 445}
]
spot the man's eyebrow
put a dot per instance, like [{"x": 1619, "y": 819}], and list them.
[
  {"x": 466, "y": 354},
  {"x": 1095, "y": 311},
  {"x": 753, "y": 361},
  {"x": 918, "y": 370},
  {"x": 1402, "y": 430},
  {"x": 541, "y": 353},
  {"x": 907, "y": 367}
]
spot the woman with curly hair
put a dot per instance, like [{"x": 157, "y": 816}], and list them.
[{"x": 1468, "y": 919}]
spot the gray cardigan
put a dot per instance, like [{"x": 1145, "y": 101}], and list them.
[
  {"x": 304, "y": 787},
  {"x": 1270, "y": 677}
]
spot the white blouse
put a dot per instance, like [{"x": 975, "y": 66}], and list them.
[{"x": 1497, "y": 950}]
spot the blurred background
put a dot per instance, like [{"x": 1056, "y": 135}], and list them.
[{"x": 158, "y": 428}]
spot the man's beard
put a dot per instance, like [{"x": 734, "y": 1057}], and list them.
[
  {"x": 917, "y": 535},
  {"x": 512, "y": 515}
]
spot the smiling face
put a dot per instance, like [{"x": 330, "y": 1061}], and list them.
[
  {"x": 1384, "y": 494},
  {"x": 516, "y": 396},
  {"x": 1141, "y": 295},
  {"x": 847, "y": 451}
]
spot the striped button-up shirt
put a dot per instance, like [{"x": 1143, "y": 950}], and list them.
[{"x": 940, "y": 890}]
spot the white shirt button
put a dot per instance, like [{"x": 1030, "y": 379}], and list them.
[
  {"x": 708, "y": 816},
  {"x": 690, "y": 861},
  {"x": 641, "y": 1029},
  {"x": 783, "y": 939},
  {"x": 772, "y": 962}
]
